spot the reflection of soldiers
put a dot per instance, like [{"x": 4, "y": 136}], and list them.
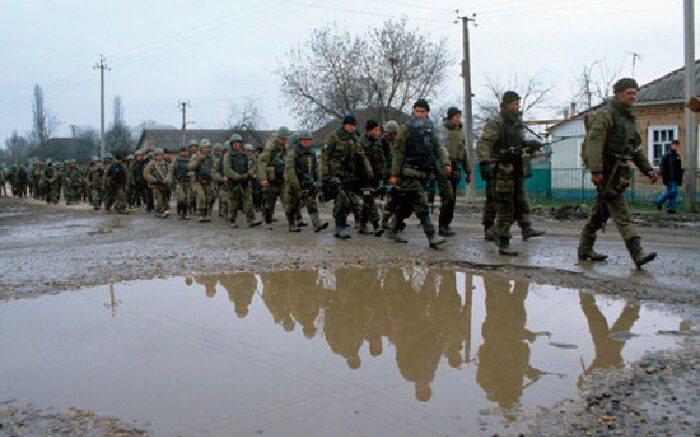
[
  {"x": 504, "y": 357},
  {"x": 209, "y": 282},
  {"x": 305, "y": 298},
  {"x": 345, "y": 317},
  {"x": 607, "y": 350},
  {"x": 275, "y": 286},
  {"x": 376, "y": 322},
  {"x": 453, "y": 321},
  {"x": 240, "y": 288}
]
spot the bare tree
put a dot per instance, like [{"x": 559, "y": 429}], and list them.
[
  {"x": 594, "y": 83},
  {"x": 16, "y": 147},
  {"x": 248, "y": 116},
  {"x": 44, "y": 123},
  {"x": 336, "y": 73},
  {"x": 534, "y": 91},
  {"x": 118, "y": 137}
]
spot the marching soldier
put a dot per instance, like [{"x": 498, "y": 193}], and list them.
[
  {"x": 300, "y": 182},
  {"x": 371, "y": 144},
  {"x": 202, "y": 165},
  {"x": 416, "y": 160},
  {"x": 114, "y": 182},
  {"x": 391, "y": 128},
  {"x": 49, "y": 180},
  {"x": 499, "y": 151},
  {"x": 73, "y": 183},
  {"x": 183, "y": 184},
  {"x": 217, "y": 174},
  {"x": 156, "y": 174},
  {"x": 95, "y": 181},
  {"x": 271, "y": 172},
  {"x": 611, "y": 143},
  {"x": 236, "y": 169},
  {"x": 459, "y": 161}
]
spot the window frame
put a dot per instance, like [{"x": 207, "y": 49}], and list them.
[{"x": 650, "y": 141}]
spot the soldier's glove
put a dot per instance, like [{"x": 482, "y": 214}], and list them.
[{"x": 486, "y": 170}]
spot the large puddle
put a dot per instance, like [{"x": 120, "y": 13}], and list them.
[{"x": 389, "y": 351}]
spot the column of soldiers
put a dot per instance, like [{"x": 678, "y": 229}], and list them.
[{"x": 355, "y": 171}]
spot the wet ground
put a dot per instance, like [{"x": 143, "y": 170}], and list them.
[{"x": 360, "y": 337}]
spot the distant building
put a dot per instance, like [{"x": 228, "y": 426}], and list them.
[
  {"x": 60, "y": 149},
  {"x": 172, "y": 139}
]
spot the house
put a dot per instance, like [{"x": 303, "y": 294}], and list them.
[
  {"x": 172, "y": 139},
  {"x": 60, "y": 149},
  {"x": 660, "y": 115}
]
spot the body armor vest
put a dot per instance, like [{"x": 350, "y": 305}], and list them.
[
  {"x": 204, "y": 169},
  {"x": 239, "y": 162},
  {"x": 117, "y": 174},
  {"x": 304, "y": 166},
  {"x": 623, "y": 137},
  {"x": 49, "y": 172},
  {"x": 419, "y": 150},
  {"x": 181, "y": 170}
]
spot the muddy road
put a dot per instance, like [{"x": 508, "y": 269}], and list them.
[{"x": 44, "y": 249}]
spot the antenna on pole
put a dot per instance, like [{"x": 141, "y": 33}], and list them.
[
  {"x": 183, "y": 108},
  {"x": 102, "y": 66},
  {"x": 466, "y": 75}
]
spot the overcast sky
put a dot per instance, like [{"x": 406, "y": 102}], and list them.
[{"x": 215, "y": 53}]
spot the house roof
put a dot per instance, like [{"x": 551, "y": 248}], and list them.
[
  {"x": 171, "y": 139},
  {"x": 379, "y": 114},
  {"x": 670, "y": 87}
]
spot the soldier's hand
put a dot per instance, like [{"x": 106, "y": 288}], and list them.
[
  {"x": 264, "y": 183},
  {"x": 468, "y": 178},
  {"x": 394, "y": 180},
  {"x": 652, "y": 176},
  {"x": 597, "y": 179}
]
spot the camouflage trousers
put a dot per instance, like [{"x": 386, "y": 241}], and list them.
[
  {"x": 447, "y": 199},
  {"x": 204, "y": 195},
  {"x": 370, "y": 210},
  {"x": 117, "y": 196},
  {"x": 224, "y": 199},
  {"x": 270, "y": 194},
  {"x": 489, "y": 215},
  {"x": 511, "y": 200},
  {"x": 345, "y": 203},
  {"x": 295, "y": 202},
  {"x": 414, "y": 199},
  {"x": 159, "y": 198},
  {"x": 72, "y": 193},
  {"x": 52, "y": 192},
  {"x": 183, "y": 193},
  {"x": 96, "y": 196},
  {"x": 240, "y": 195},
  {"x": 619, "y": 212}
]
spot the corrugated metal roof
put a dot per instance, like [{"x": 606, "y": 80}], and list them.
[{"x": 668, "y": 87}]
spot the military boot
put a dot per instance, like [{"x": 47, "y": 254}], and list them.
[
  {"x": 316, "y": 222},
  {"x": 586, "y": 252},
  {"x": 292, "y": 226},
  {"x": 530, "y": 232},
  {"x": 435, "y": 242},
  {"x": 202, "y": 213},
  {"x": 363, "y": 228},
  {"x": 165, "y": 214},
  {"x": 445, "y": 231},
  {"x": 183, "y": 212},
  {"x": 378, "y": 230},
  {"x": 340, "y": 231},
  {"x": 638, "y": 255},
  {"x": 268, "y": 218},
  {"x": 504, "y": 247},
  {"x": 490, "y": 233},
  {"x": 253, "y": 223}
]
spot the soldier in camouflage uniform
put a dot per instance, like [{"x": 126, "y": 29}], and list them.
[
  {"x": 611, "y": 143},
  {"x": 95, "y": 181},
  {"x": 114, "y": 181},
  {"x": 499, "y": 151},
  {"x": 346, "y": 164},
  {"x": 254, "y": 183},
  {"x": 271, "y": 172},
  {"x": 236, "y": 169},
  {"x": 416, "y": 160},
  {"x": 301, "y": 178},
  {"x": 388, "y": 141},
  {"x": 372, "y": 146},
  {"x": 220, "y": 187},
  {"x": 49, "y": 179},
  {"x": 156, "y": 174},
  {"x": 73, "y": 183},
  {"x": 2, "y": 182},
  {"x": 459, "y": 162},
  {"x": 106, "y": 195},
  {"x": 183, "y": 184},
  {"x": 202, "y": 165}
]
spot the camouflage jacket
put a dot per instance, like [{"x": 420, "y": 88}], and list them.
[
  {"x": 455, "y": 145},
  {"x": 345, "y": 157},
  {"x": 266, "y": 162},
  {"x": 403, "y": 137},
  {"x": 156, "y": 172}
]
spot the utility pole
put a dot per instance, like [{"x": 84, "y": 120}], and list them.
[
  {"x": 102, "y": 67},
  {"x": 467, "y": 76},
  {"x": 691, "y": 145},
  {"x": 635, "y": 56},
  {"x": 183, "y": 108}
]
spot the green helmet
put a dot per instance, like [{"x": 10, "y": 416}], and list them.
[
  {"x": 305, "y": 135},
  {"x": 130, "y": 156},
  {"x": 294, "y": 138},
  {"x": 66, "y": 161},
  {"x": 283, "y": 132},
  {"x": 193, "y": 143},
  {"x": 235, "y": 138},
  {"x": 49, "y": 161},
  {"x": 205, "y": 143},
  {"x": 72, "y": 161},
  {"x": 218, "y": 146},
  {"x": 159, "y": 151},
  {"x": 248, "y": 147},
  {"x": 108, "y": 155}
]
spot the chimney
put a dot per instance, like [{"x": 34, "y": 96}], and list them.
[
  {"x": 572, "y": 110},
  {"x": 73, "y": 130}
]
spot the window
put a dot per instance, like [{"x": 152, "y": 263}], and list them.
[{"x": 660, "y": 138}]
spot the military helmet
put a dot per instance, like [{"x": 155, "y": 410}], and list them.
[
  {"x": 72, "y": 161},
  {"x": 49, "y": 161},
  {"x": 283, "y": 132},
  {"x": 235, "y": 138},
  {"x": 205, "y": 143},
  {"x": 391, "y": 126},
  {"x": 159, "y": 151},
  {"x": 305, "y": 135},
  {"x": 130, "y": 156},
  {"x": 248, "y": 147},
  {"x": 193, "y": 143},
  {"x": 218, "y": 146},
  {"x": 66, "y": 161},
  {"x": 108, "y": 155}
]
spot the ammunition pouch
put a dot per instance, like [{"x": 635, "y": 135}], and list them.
[
  {"x": 619, "y": 181},
  {"x": 414, "y": 173}
]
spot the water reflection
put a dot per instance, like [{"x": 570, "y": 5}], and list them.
[{"x": 425, "y": 315}]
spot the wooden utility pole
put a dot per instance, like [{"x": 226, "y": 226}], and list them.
[
  {"x": 102, "y": 66},
  {"x": 468, "y": 119},
  {"x": 183, "y": 108},
  {"x": 691, "y": 136}
]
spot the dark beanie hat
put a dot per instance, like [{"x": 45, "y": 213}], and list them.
[
  {"x": 624, "y": 83},
  {"x": 371, "y": 124},
  {"x": 349, "y": 119},
  {"x": 422, "y": 103},
  {"x": 510, "y": 97},
  {"x": 452, "y": 111}
]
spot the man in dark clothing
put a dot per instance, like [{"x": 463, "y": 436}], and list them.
[{"x": 672, "y": 175}]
